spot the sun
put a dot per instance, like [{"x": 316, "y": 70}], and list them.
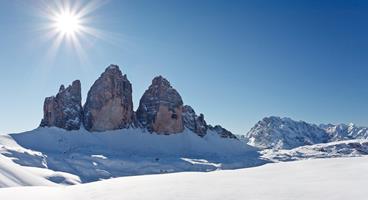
[
  {"x": 67, "y": 23},
  {"x": 70, "y": 25}
]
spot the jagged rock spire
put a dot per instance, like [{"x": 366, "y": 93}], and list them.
[
  {"x": 109, "y": 104},
  {"x": 160, "y": 108},
  {"x": 193, "y": 122},
  {"x": 64, "y": 110}
]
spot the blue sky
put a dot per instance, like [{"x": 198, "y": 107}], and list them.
[{"x": 234, "y": 61}]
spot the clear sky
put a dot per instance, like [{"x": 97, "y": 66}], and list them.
[{"x": 234, "y": 61}]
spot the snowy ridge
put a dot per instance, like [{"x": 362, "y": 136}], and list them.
[{"x": 82, "y": 156}]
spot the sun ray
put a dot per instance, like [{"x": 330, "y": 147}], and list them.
[{"x": 69, "y": 23}]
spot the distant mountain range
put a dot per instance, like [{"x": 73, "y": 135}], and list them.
[{"x": 285, "y": 133}]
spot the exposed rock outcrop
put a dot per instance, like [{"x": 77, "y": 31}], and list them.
[
  {"x": 109, "y": 104},
  {"x": 222, "y": 132},
  {"x": 160, "y": 108},
  {"x": 64, "y": 110},
  {"x": 193, "y": 122}
]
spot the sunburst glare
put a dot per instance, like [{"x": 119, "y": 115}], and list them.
[
  {"x": 67, "y": 23},
  {"x": 70, "y": 23}
]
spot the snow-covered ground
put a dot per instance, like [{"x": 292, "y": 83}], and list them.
[
  {"x": 12, "y": 174},
  {"x": 69, "y": 157},
  {"x": 180, "y": 166},
  {"x": 346, "y": 148},
  {"x": 324, "y": 179}
]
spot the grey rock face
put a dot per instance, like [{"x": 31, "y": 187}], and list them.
[
  {"x": 222, "y": 132},
  {"x": 160, "y": 108},
  {"x": 193, "y": 122},
  {"x": 64, "y": 110},
  {"x": 109, "y": 104}
]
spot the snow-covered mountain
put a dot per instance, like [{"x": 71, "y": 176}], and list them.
[
  {"x": 345, "y": 131},
  {"x": 320, "y": 179},
  {"x": 285, "y": 133}
]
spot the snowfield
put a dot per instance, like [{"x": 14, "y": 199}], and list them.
[
  {"x": 346, "y": 148},
  {"x": 324, "y": 179},
  {"x": 12, "y": 174},
  {"x": 54, "y": 155},
  {"x": 182, "y": 166}
]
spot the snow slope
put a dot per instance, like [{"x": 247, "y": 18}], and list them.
[
  {"x": 319, "y": 179},
  {"x": 73, "y": 156},
  {"x": 12, "y": 174}
]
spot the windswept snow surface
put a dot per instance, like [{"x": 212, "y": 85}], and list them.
[
  {"x": 33, "y": 173},
  {"x": 318, "y": 179},
  {"x": 70, "y": 157},
  {"x": 12, "y": 174}
]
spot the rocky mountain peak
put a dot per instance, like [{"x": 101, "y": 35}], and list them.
[
  {"x": 112, "y": 70},
  {"x": 160, "y": 108},
  {"x": 64, "y": 110},
  {"x": 112, "y": 67},
  {"x": 62, "y": 88},
  {"x": 160, "y": 81},
  {"x": 109, "y": 104},
  {"x": 161, "y": 89},
  {"x": 193, "y": 122}
]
